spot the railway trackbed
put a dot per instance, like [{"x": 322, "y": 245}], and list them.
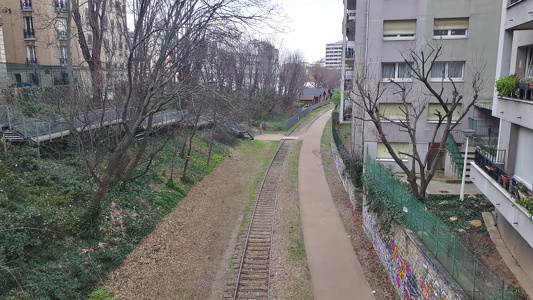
[{"x": 250, "y": 269}]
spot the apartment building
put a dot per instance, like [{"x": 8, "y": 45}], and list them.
[
  {"x": 505, "y": 173},
  {"x": 37, "y": 43},
  {"x": 348, "y": 56},
  {"x": 333, "y": 55},
  {"x": 382, "y": 33}
]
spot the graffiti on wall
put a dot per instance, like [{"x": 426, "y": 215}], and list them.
[
  {"x": 405, "y": 280},
  {"x": 431, "y": 290},
  {"x": 409, "y": 283}
]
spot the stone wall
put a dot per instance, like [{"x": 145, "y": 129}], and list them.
[
  {"x": 411, "y": 267},
  {"x": 413, "y": 270}
]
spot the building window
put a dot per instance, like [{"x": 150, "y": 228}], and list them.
[
  {"x": 399, "y": 29},
  {"x": 63, "y": 55},
  {"x": 25, "y": 5},
  {"x": 448, "y": 70},
  {"x": 61, "y": 25},
  {"x": 435, "y": 111},
  {"x": 450, "y": 28},
  {"x": 382, "y": 152},
  {"x": 29, "y": 32},
  {"x": 60, "y": 5},
  {"x": 393, "y": 111},
  {"x": 31, "y": 56},
  {"x": 395, "y": 71}
]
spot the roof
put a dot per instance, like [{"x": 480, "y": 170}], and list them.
[
  {"x": 315, "y": 92},
  {"x": 307, "y": 97}
]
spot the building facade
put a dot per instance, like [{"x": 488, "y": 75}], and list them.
[
  {"x": 384, "y": 34},
  {"x": 38, "y": 41},
  {"x": 333, "y": 55},
  {"x": 505, "y": 173}
]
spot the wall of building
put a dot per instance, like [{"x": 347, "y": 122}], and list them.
[
  {"x": 520, "y": 249},
  {"x": 479, "y": 49},
  {"x": 414, "y": 273}
]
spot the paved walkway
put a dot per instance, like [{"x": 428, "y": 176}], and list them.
[{"x": 335, "y": 271}]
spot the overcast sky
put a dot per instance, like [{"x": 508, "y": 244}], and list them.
[{"x": 314, "y": 23}]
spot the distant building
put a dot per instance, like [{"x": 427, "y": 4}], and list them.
[
  {"x": 333, "y": 55},
  {"x": 34, "y": 41},
  {"x": 312, "y": 96}
]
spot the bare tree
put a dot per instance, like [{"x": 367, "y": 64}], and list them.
[
  {"x": 167, "y": 49},
  {"x": 324, "y": 78},
  {"x": 292, "y": 78},
  {"x": 413, "y": 99}
]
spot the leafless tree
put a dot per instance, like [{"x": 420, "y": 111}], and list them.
[
  {"x": 323, "y": 78},
  {"x": 166, "y": 55},
  {"x": 413, "y": 98},
  {"x": 292, "y": 78}
]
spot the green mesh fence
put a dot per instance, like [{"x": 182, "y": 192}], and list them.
[
  {"x": 354, "y": 165},
  {"x": 476, "y": 279}
]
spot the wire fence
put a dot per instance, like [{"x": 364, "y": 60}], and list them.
[
  {"x": 354, "y": 165},
  {"x": 477, "y": 280}
]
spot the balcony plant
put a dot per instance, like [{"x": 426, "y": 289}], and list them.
[
  {"x": 506, "y": 86},
  {"x": 527, "y": 203}
]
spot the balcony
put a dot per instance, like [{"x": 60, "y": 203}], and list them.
[
  {"x": 350, "y": 15},
  {"x": 29, "y": 34},
  {"x": 502, "y": 189},
  {"x": 518, "y": 14},
  {"x": 31, "y": 61},
  {"x": 25, "y": 5},
  {"x": 60, "y": 5},
  {"x": 62, "y": 35}
]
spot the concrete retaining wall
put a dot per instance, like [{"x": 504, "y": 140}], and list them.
[
  {"x": 411, "y": 267},
  {"x": 413, "y": 270}
]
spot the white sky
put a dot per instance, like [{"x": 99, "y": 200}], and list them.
[{"x": 314, "y": 23}]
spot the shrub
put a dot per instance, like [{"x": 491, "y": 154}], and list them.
[{"x": 506, "y": 85}]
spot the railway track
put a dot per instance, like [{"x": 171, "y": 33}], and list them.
[{"x": 250, "y": 275}]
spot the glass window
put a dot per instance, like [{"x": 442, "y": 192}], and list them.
[
  {"x": 447, "y": 70},
  {"x": 450, "y": 28},
  {"x": 399, "y": 29}
]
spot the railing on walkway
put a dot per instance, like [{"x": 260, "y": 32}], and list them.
[
  {"x": 451, "y": 145},
  {"x": 475, "y": 278},
  {"x": 354, "y": 165},
  {"x": 303, "y": 113},
  {"x": 43, "y": 130}
]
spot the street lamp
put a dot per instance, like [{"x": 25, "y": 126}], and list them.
[{"x": 468, "y": 133}]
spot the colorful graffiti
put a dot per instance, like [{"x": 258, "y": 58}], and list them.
[
  {"x": 410, "y": 284},
  {"x": 431, "y": 289},
  {"x": 405, "y": 280}
]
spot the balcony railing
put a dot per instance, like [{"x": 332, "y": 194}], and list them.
[
  {"x": 60, "y": 5},
  {"x": 492, "y": 162},
  {"x": 31, "y": 61},
  {"x": 29, "y": 33},
  {"x": 62, "y": 35},
  {"x": 25, "y": 5}
]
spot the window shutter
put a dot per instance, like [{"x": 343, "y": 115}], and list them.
[
  {"x": 392, "y": 111},
  {"x": 445, "y": 24},
  {"x": 382, "y": 151},
  {"x": 433, "y": 107},
  {"x": 399, "y": 27}
]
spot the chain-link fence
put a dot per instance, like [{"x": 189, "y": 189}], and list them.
[
  {"x": 477, "y": 280},
  {"x": 354, "y": 165}
]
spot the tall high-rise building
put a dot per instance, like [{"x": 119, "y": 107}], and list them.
[{"x": 333, "y": 55}]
